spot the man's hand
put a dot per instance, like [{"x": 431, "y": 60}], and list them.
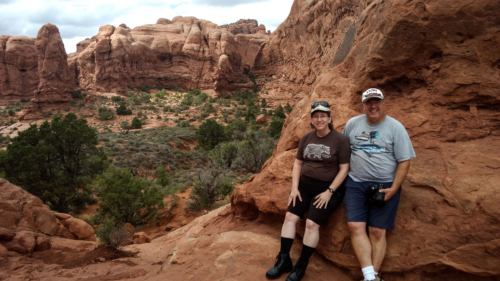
[
  {"x": 322, "y": 199},
  {"x": 389, "y": 192},
  {"x": 293, "y": 196}
]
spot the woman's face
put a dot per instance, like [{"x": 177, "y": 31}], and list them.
[{"x": 320, "y": 120}]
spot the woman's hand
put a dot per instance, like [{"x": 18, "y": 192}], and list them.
[
  {"x": 322, "y": 199},
  {"x": 293, "y": 196}
]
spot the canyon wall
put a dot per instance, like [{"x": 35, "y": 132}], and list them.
[{"x": 438, "y": 64}]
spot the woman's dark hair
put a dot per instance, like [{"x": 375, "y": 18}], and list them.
[{"x": 330, "y": 125}]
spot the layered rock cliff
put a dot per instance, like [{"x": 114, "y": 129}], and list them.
[{"x": 438, "y": 65}]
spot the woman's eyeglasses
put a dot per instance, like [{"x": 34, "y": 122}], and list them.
[{"x": 318, "y": 103}]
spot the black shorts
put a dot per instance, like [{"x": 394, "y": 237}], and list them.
[{"x": 310, "y": 188}]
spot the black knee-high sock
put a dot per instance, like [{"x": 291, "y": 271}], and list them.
[
  {"x": 286, "y": 245},
  {"x": 306, "y": 252}
]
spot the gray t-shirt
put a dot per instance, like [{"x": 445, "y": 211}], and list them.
[{"x": 377, "y": 149}]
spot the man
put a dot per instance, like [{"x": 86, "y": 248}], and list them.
[{"x": 380, "y": 153}]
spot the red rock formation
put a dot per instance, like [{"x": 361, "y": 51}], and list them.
[
  {"x": 82, "y": 45},
  {"x": 18, "y": 68},
  {"x": 439, "y": 68},
  {"x": 163, "y": 21},
  {"x": 188, "y": 53},
  {"x": 243, "y": 27},
  {"x": 56, "y": 81},
  {"x": 27, "y": 223}
]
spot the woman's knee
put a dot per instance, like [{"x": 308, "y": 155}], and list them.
[
  {"x": 357, "y": 227},
  {"x": 291, "y": 218},
  {"x": 311, "y": 226}
]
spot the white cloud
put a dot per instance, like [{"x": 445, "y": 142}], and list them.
[{"x": 78, "y": 20}]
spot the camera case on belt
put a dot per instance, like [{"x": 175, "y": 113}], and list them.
[{"x": 374, "y": 196}]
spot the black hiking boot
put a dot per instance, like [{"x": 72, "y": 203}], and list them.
[
  {"x": 283, "y": 264},
  {"x": 298, "y": 271}
]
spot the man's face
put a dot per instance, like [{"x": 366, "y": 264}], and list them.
[{"x": 375, "y": 110}]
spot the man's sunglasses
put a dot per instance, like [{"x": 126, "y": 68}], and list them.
[{"x": 318, "y": 103}]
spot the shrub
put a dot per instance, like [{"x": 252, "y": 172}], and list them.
[
  {"x": 288, "y": 109},
  {"x": 126, "y": 198},
  {"x": 224, "y": 154},
  {"x": 77, "y": 94},
  {"x": 144, "y": 88},
  {"x": 211, "y": 184},
  {"x": 136, "y": 123},
  {"x": 210, "y": 133},
  {"x": 274, "y": 129},
  {"x": 122, "y": 110},
  {"x": 254, "y": 151},
  {"x": 105, "y": 113},
  {"x": 172, "y": 87},
  {"x": 55, "y": 162},
  {"x": 199, "y": 99},
  {"x": 145, "y": 98},
  {"x": 278, "y": 113},
  {"x": 162, "y": 177},
  {"x": 161, "y": 94},
  {"x": 117, "y": 99}
]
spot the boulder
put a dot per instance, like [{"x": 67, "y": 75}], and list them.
[
  {"x": 140, "y": 238},
  {"x": 3, "y": 251},
  {"x": 129, "y": 227},
  {"x": 6, "y": 234},
  {"x": 163, "y": 21},
  {"x": 80, "y": 229},
  {"x": 21, "y": 210},
  {"x": 24, "y": 242},
  {"x": 261, "y": 119},
  {"x": 43, "y": 243}
]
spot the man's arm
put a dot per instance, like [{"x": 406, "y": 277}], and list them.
[{"x": 401, "y": 172}]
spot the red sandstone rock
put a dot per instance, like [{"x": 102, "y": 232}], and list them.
[
  {"x": 6, "y": 234},
  {"x": 129, "y": 227},
  {"x": 419, "y": 54},
  {"x": 56, "y": 82},
  {"x": 163, "y": 21},
  {"x": 80, "y": 229},
  {"x": 243, "y": 27},
  {"x": 43, "y": 243},
  {"x": 82, "y": 45},
  {"x": 140, "y": 238},
  {"x": 261, "y": 119},
  {"x": 24, "y": 242},
  {"x": 18, "y": 67}
]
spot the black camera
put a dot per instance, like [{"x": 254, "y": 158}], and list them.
[{"x": 374, "y": 196}]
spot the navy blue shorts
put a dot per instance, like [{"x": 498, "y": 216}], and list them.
[
  {"x": 309, "y": 188},
  {"x": 357, "y": 211}
]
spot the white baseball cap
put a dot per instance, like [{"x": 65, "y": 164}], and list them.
[{"x": 372, "y": 93}]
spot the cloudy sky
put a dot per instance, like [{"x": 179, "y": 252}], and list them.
[{"x": 78, "y": 20}]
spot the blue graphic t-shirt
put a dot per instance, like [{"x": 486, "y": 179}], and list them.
[{"x": 377, "y": 149}]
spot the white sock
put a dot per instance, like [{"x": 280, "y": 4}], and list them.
[{"x": 369, "y": 272}]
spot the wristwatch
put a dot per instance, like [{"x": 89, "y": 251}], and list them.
[{"x": 331, "y": 190}]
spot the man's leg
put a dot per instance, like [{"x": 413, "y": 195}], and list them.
[
  {"x": 361, "y": 243},
  {"x": 379, "y": 245}
]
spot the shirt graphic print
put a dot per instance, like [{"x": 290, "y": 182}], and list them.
[
  {"x": 317, "y": 151},
  {"x": 369, "y": 143}
]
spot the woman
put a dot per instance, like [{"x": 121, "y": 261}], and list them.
[{"x": 320, "y": 167}]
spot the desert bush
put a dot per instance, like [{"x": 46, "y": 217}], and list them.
[
  {"x": 254, "y": 151},
  {"x": 123, "y": 110},
  {"x": 224, "y": 153},
  {"x": 40, "y": 160},
  {"x": 126, "y": 198},
  {"x": 288, "y": 108},
  {"x": 211, "y": 184},
  {"x": 144, "y": 88},
  {"x": 105, "y": 113},
  {"x": 199, "y": 99},
  {"x": 136, "y": 123},
  {"x": 77, "y": 94},
  {"x": 161, "y": 94},
  {"x": 210, "y": 133}
]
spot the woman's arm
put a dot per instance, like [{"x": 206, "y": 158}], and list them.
[
  {"x": 343, "y": 171},
  {"x": 323, "y": 198},
  {"x": 294, "y": 193}
]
